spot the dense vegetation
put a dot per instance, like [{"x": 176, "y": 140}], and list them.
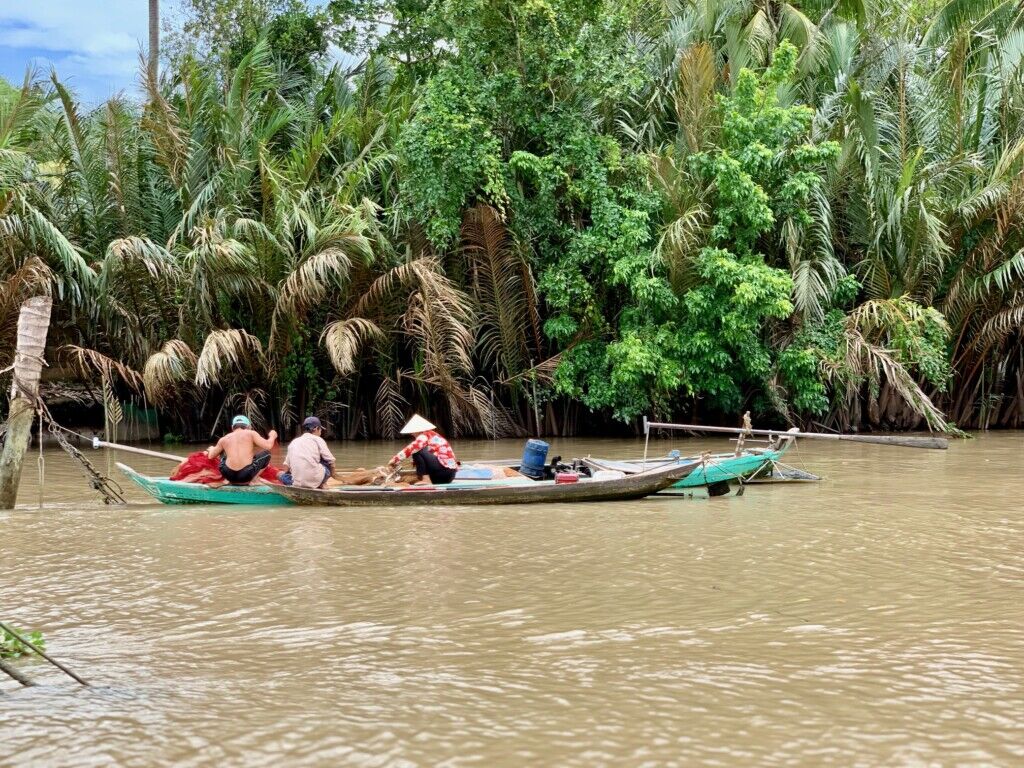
[{"x": 589, "y": 210}]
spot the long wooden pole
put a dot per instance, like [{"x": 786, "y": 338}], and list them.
[
  {"x": 97, "y": 443},
  {"x": 938, "y": 443},
  {"x": 33, "y": 325}
]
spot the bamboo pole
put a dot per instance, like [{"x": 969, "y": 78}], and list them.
[
  {"x": 33, "y": 325},
  {"x": 937, "y": 443},
  {"x": 97, "y": 443}
]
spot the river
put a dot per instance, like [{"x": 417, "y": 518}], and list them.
[{"x": 874, "y": 618}]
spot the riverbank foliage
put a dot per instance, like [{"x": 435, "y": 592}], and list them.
[{"x": 581, "y": 209}]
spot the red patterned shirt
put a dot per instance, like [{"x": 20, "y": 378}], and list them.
[{"x": 433, "y": 442}]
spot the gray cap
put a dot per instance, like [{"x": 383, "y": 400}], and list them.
[{"x": 310, "y": 423}]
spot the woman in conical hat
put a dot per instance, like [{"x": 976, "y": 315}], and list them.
[{"x": 431, "y": 454}]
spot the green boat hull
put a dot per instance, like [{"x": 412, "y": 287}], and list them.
[
  {"x": 175, "y": 492},
  {"x": 714, "y": 469},
  {"x": 723, "y": 469}
]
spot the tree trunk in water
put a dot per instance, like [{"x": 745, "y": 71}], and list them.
[
  {"x": 154, "y": 37},
  {"x": 33, "y": 324}
]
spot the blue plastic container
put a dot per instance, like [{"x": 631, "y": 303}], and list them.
[{"x": 535, "y": 455}]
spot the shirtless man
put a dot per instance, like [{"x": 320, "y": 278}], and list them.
[{"x": 240, "y": 462}]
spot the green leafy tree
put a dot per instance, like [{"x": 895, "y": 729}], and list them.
[{"x": 225, "y": 31}]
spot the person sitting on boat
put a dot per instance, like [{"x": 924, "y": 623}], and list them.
[
  {"x": 309, "y": 463},
  {"x": 432, "y": 455},
  {"x": 244, "y": 452}
]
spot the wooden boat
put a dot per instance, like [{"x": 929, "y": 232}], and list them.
[
  {"x": 635, "y": 486},
  {"x": 713, "y": 469}
]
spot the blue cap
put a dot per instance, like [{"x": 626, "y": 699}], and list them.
[
  {"x": 310, "y": 423},
  {"x": 241, "y": 421}
]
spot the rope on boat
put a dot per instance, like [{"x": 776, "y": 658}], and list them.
[
  {"x": 41, "y": 462},
  {"x": 107, "y": 488}
]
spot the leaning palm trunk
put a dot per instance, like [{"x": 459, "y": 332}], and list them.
[{"x": 33, "y": 324}]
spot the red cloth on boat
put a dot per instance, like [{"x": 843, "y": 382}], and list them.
[{"x": 200, "y": 468}]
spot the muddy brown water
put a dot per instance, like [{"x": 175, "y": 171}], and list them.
[{"x": 875, "y": 618}]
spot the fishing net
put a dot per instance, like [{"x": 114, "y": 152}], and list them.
[{"x": 200, "y": 468}]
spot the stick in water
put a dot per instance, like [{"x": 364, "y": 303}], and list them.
[
  {"x": 42, "y": 653},
  {"x": 15, "y": 673}
]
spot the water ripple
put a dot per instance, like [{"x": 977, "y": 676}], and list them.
[{"x": 872, "y": 619}]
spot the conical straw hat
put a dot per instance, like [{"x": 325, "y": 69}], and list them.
[{"x": 416, "y": 424}]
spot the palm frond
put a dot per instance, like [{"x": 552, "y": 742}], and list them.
[
  {"x": 168, "y": 372},
  {"x": 345, "y": 339},
  {"x": 227, "y": 351},
  {"x": 90, "y": 363},
  {"x": 390, "y": 407}
]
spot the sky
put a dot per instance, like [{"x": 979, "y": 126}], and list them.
[{"x": 93, "y": 44}]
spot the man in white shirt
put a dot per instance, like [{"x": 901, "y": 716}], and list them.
[{"x": 309, "y": 463}]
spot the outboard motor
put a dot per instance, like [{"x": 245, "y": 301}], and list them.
[{"x": 535, "y": 455}]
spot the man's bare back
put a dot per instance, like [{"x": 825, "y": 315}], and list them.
[{"x": 240, "y": 445}]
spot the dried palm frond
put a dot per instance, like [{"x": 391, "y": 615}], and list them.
[
  {"x": 878, "y": 319},
  {"x": 33, "y": 278},
  {"x": 694, "y": 94},
  {"x": 687, "y": 218},
  {"x": 864, "y": 361},
  {"x": 438, "y": 318},
  {"x": 502, "y": 285},
  {"x": 137, "y": 285},
  {"x": 390, "y": 407},
  {"x": 344, "y": 339},
  {"x": 89, "y": 363},
  {"x": 385, "y": 287},
  {"x": 1001, "y": 325},
  {"x": 543, "y": 372},
  {"x": 169, "y": 371},
  {"x": 55, "y": 393},
  {"x": 492, "y": 416},
  {"x": 287, "y": 416},
  {"x": 127, "y": 252},
  {"x": 219, "y": 268},
  {"x": 253, "y": 403},
  {"x": 160, "y": 120},
  {"x": 227, "y": 350},
  {"x": 113, "y": 414},
  {"x": 311, "y": 281}
]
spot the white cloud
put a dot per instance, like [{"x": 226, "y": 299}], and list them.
[
  {"x": 82, "y": 26},
  {"x": 94, "y": 42}
]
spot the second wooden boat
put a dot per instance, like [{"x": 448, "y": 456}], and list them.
[
  {"x": 714, "y": 468},
  {"x": 635, "y": 486}
]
